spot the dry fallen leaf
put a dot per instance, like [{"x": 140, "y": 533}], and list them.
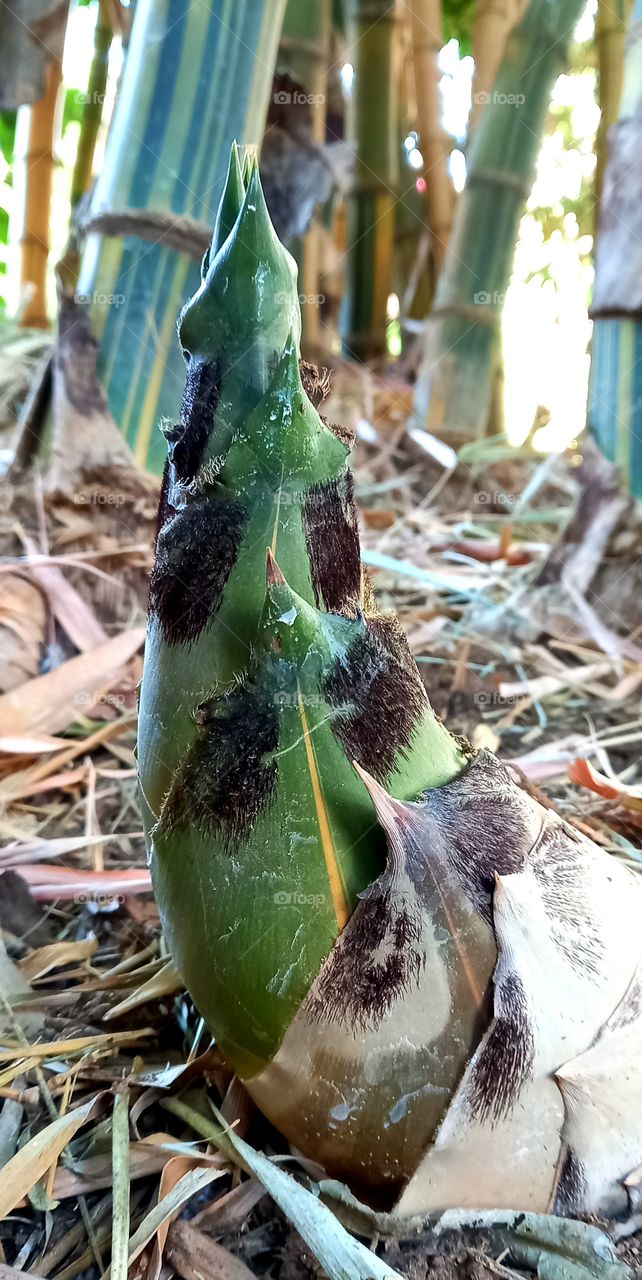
[
  {"x": 52, "y": 884},
  {"x": 57, "y": 954},
  {"x": 51, "y": 702},
  {"x": 26, "y": 746},
  {"x": 194, "y": 1255},
  {"x": 163, "y": 983},
  {"x": 33, "y": 1160},
  {"x": 583, "y": 773},
  {"x": 94, "y": 1173},
  {"x": 22, "y": 630},
  {"x": 69, "y": 608}
]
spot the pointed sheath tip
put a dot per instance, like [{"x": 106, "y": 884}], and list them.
[
  {"x": 254, "y": 194},
  {"x": 229, "y": 207},
  {"x": 273, "y": 575},
  {"x": 250, "y": 163},
  {"x": 391, "y": 813}
]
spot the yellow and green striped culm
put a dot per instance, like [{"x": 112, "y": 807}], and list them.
[
  {"x": 197, "y": 76},
  {"x": 615, "y": 397}
]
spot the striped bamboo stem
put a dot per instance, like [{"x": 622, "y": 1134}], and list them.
[
  {"x": 427, "y": 40},
  {"x": 615, "y": 395},
  {"x": 610, "y": 41},
  {"x": 492, "y": 22},
  {"x": 304, "y": 51},
  {"x": 454, "y": 391},
  {"x": 35, "y": 132},
  {"x": 374, "y": 134},
  {"x": 92, "y": 114},
  {"x": 197, "y": 76}
]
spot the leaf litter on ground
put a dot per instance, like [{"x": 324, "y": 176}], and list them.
[{"x": 108, "y": 1081}]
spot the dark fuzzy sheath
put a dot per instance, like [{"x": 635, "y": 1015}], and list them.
[
  {"x": 506, "y": 1061},
  {"x": 332, "y": 538},
  {"x": 572, "y": 1188},
  {"x": 359, "y": 984},
  {"x": 165, "y": 509},
  {"x": 379, "y": 697},
  {"x": 196, "y": 550},
  {"x": 226, "y": 780},
  {"x": 187, "y": 441},
  {"x": 316, "y": 382}
]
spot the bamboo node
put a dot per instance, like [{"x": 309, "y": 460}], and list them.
[{"x": 175, "y": 231}]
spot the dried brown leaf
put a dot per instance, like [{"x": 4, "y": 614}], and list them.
[
  {"x": 22, "y": 630},
  {"x": 194, "y": 1255},
  {"x": 33, "y": 1160},
  {"x": 51, "y": 702}
]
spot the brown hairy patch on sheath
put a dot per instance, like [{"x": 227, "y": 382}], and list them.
[
  {"x": 196, "y": 550},
  {"x": 332, "y": 538},
  {"x": 379, "y": 697},
  {"x": 505, "y": 1062},
  {"x": 485, "y": 825},
  {"x": 373, "y": 964},
  {"x": 316, "y": 382},
  {"x": 226, "y": 780},
  {"x": 345, "y": 434},
  {"x": 165, "y": 509},
  {"x": 571, "y": 1188},
  {"x": 187, "y": 441},
  {"x": 558, "y": 860}
]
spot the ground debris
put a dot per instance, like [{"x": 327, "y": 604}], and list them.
[{"x": 471, "y": 553}]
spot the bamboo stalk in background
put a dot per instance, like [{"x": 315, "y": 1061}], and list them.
[
  {"x": 304, "y": 50},
  {"x": 610, "y": 41},
  {"x": 414, "y": 266},
  {"x": 494, "y": 20},
  {"x": 454, "y": 391},
  {"x": 372, "y": 50},
  {"x": 34, "y": 159},
  {"x": 615, "y": 395},
  {"x": 427, "y": 41},
  {"x": 92, "y": 114},
  {"x": 196, "y": 77}
]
